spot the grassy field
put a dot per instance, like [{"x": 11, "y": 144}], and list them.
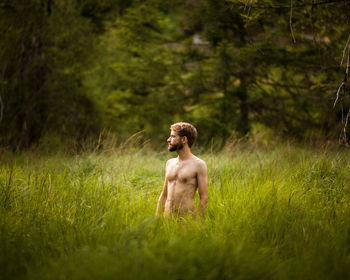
[{"x": 281, "y": 212}]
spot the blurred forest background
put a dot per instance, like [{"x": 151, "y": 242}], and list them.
[{"x": 71, "y": 69}]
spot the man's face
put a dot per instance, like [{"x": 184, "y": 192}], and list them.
[{"x": 174, "y": 142}]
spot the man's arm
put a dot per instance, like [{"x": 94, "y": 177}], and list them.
[
  {"x": 163, "y": 196},
  {"x": 202, "y": 179}
]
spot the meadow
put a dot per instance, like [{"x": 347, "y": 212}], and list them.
[{"x": 275, "y": 212}]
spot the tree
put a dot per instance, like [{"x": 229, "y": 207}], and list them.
[
  {"x": 44, "y": 51},
  {"x": 265, "y": 77},
  {"x": 138, "y": 73}
]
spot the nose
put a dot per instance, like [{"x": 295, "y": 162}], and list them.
[{"x": 168, "y": 140}]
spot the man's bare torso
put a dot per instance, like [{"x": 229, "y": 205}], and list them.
[
  {"x": 182, "y": 183},
  {"x": 184, "y": 175}
]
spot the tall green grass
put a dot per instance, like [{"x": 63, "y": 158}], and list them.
[{"x": 276, "y": 213}]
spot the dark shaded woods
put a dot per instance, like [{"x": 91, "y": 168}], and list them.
[{"x": 70, "y": 69}]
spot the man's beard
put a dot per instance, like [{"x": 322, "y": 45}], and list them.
[{"x": 176, "y": 147}]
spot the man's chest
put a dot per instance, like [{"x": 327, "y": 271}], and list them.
[{"x": 181, "y": 172}]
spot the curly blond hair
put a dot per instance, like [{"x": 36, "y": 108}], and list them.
[{"x": 185, "y": 129}]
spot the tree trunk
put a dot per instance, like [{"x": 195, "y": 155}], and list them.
[{"x": 243, "y": 126}]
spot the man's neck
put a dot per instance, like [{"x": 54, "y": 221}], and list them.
[{"x": 184, "y": 153}]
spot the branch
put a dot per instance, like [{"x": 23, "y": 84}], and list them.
[
  {"x": 290, "y": 20},
  {"x": 296, "y": 6},
  {"x": 344, "y": 51},
  {"x": 347, "y": 65},
  {"x": 343, "y": 135},
  {"x": 1, "y": 108},
  {"x": 248, "y": 13},
  {"x": 338, "y": 91},
  {"x": 346, "y": 76},
  {"x": 345, "y": 127}
]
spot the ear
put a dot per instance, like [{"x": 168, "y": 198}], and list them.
[{"x": 184, "y": 139}]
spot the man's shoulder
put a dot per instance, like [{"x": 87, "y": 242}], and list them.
[
  {"x": 171, "y": 160},
  {"x": 199, "y": 162}
]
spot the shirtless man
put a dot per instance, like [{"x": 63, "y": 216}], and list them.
[{"x": 183, "y": 175}]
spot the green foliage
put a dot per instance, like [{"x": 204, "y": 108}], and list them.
[
  {"x": 277, "y": 213},
  {"x": 252, "y": 44},
  {"x": 71, "y": 69},
  {"x": 137, "y": 74},
  {"x": 44, "y": 53},
  {"x": 42, "y": 61}
]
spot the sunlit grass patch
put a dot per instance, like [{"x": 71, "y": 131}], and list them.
[{"x": 273, "y": 213}]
